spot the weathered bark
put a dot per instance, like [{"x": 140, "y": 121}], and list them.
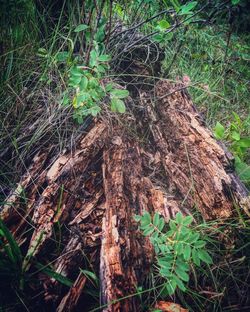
[
  {"x": 119, "y": 253},
  {"x": 198, "y": 168},
  {"x": 91, "y": 194}
]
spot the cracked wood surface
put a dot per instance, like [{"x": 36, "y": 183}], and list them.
[{"x": 89, "y": 197}]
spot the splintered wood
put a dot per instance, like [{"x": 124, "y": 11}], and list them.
[
  {"x": 199, "y": 170},
  {"x": 76, "y": 211}
]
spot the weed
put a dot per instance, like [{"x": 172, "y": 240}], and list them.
[
  {"x": 177, "y": 249},
  {"x": 239, "y": 143}
]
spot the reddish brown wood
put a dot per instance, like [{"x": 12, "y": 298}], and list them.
[
  {"x": 92, "y": 194},
  {"x": 199, "y": 170}
]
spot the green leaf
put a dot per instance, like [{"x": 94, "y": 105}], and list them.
[
  {"x": 168, "y": 36},
  {"x": 155, "y": 237},
  {"x": 237, "y": 119},
  {"x": 109, "y": 87},
  {"x": 171, "y": 286},
  {"x": 164, "y": 248},
  {"x": 148, "y": 231},
  {"x": 158, "y": 38},
  {"x": 242, "y": 169},
  {"x": 165, "y": 272},
  {"x": 119, "y": 93},
  {"x": 161, "y": 224},
  {"x": 78, "y": 117},
  {"x": 14, "y": 252},
  {"x": 235, "y": 2},
  {"x": 200, "y": 244},
  {"x": 94, "y": 94},
  {"x": 117, "y": 105},
  {"x": 182, "y": 274},
  {"x": 65, "y": 100},
  {"x": 156, "y": 219},
  {"x": 74, "y": 81},
  {"x": 182, "y": 265},
  {"x": 187, "y": 252},
  {"x": 90, "y": 275},
  {"x": 146, "y": 218},
  {"x": 100, "y": 34},
  {"x": 82, "y": 97},
  {"x": 93, "y": 83},
  {"x": 184, "y": 232},
  {"x": 193, "y": 237},
  {"x": 179, "y": 217},
  {"x": 204, "y": 256},
  {"x": 104, "y": 58},
  {"x": 81, "y": 27},
  {"x": 57, "y": 276},
  {"x": 94, "y": 110},
  {"x": 42, "y": 51},
  {"x": 244, "y": 142},
  {"x": 165, "y": 262},
  {"x": 76, "y": 71},
  {"x": 100, "y": 69},
  {"x": 187, "y": 220},
  {"x": 62, "y": 56},
  {"x": 187, "y": 8},
  {"x": 235, "y": 135},
  {"x": 175, "y": 4},
  {"x": 83, "y": 83},
  {"x": 178, "y": 247},
  {"x": 195, "y": 257},
  {"x": 172, "y": 225},
  {"x": 163, "y": 24},
  {"x": 93, "y": 58},
  {"x": 219, "y": 131},
  {"x": 179, "y": 283}
]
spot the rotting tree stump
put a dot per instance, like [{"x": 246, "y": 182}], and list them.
[{"x": 91, "y": 195}]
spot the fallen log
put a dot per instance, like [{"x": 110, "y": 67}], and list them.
[{"x": 92, "y": 194}]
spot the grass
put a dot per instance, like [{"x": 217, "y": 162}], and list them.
[{"x": 219, "y": 74}]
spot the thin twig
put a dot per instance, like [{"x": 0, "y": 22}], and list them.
[{"x": 144, "y": 22}]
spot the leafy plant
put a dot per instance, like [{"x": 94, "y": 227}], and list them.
[
  {"x": 183, "y": 13},
  {"x": 178, "y": 247},
  {"x": 239, "y": 142},
  {"x": 86, "y": 80}
]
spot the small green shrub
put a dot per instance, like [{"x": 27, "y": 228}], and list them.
[
  {"x": 89, "y": 89},
  {"x": 239, "y": 143},
  {"x": 178, "y": 246},
  {"x": 86, "y": 79}
]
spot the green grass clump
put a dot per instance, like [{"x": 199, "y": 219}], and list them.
[{"x": 219, "y": 71}]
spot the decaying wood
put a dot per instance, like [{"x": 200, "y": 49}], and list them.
[
  {"x": 166, "y": 306},
  {"x": 91, "y": 195},
  {"x": 124, "y": 252},
  {"x": 199, "y": 170},
  {"x": 69, "y": 302},
  {"x": 119, "y": 251}
]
